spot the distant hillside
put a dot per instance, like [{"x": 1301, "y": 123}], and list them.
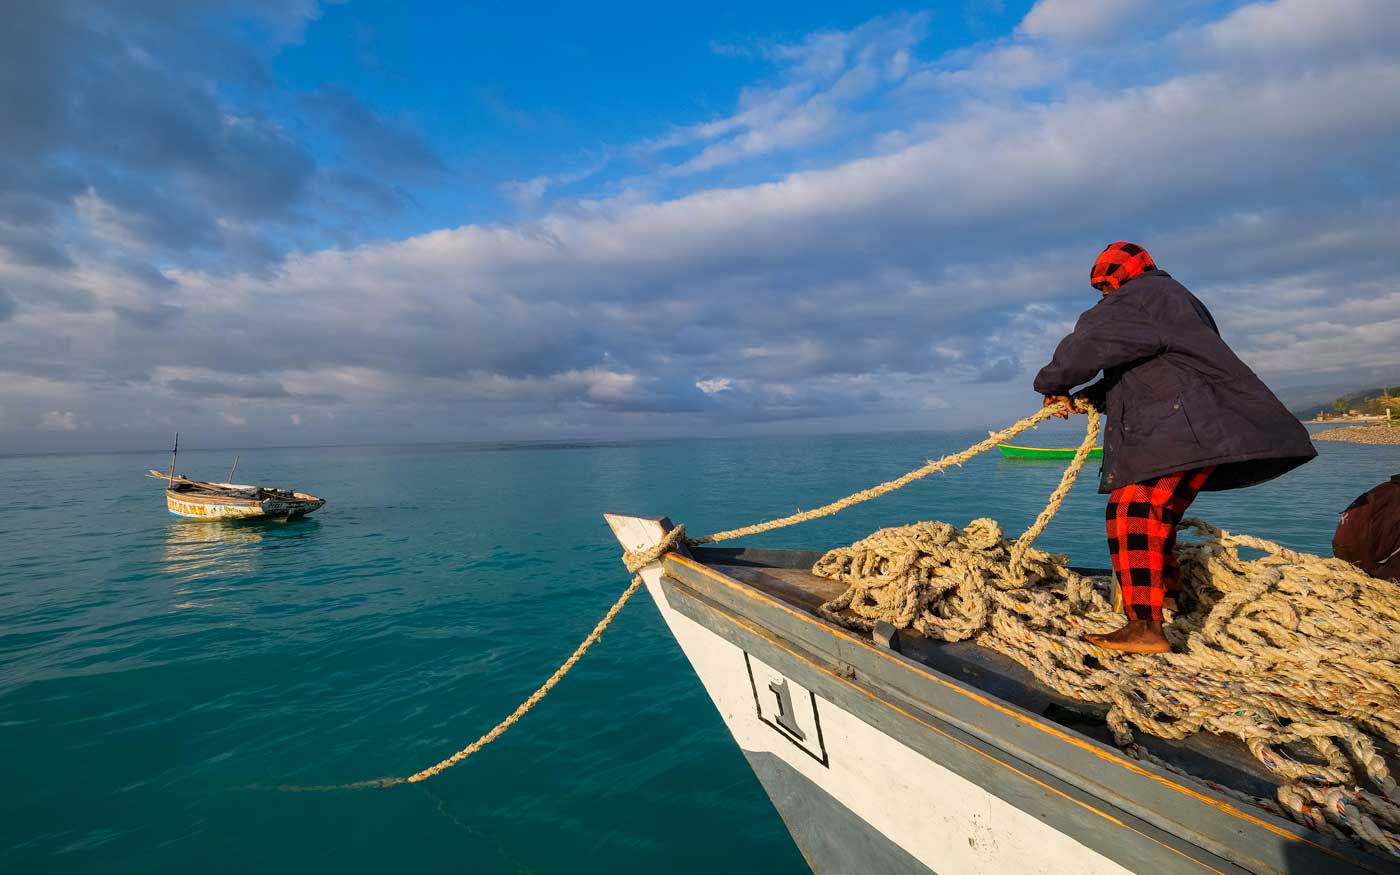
[{"x": 1369, "y": 401}]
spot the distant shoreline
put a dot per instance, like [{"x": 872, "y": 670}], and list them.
[{"x": 1361, "y": 434}]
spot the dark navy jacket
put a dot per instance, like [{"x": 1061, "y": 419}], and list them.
[{"x": 1176, "y": 396}]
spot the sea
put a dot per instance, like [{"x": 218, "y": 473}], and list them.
[{"x": 162, "y": 680}]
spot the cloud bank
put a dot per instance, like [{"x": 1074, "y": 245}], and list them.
[{"x": 872, "y": 238}]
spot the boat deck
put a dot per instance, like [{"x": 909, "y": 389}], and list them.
[
  {"x": 186, "y": 490},
  {"x": 785, "y": 575}
]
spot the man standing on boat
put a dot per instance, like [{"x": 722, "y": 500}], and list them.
[{"x": 1184, "y": 415}]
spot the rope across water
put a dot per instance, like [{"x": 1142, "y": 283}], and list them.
[
  {"x": 639, "y": 559},
  {"x": 1287, "y": 650},
  {"x": 920, "y": 473}
]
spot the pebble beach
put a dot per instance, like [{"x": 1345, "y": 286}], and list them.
[{"x": 1361, "y": 434}]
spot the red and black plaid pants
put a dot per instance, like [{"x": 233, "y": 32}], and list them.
[{"x": 1141, "y": 523}]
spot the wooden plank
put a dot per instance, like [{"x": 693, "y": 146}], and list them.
[{"x": 795, "y": 586}]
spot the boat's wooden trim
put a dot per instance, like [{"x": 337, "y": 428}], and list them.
[{"x": 1179, "y": 807}]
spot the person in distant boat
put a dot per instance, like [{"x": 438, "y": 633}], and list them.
[
  {"x": 1184, "y": 414},
  {"x": 1368, "y": 534}
]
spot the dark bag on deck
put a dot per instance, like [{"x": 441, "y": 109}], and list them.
[{"x": 1368, "y": 534}]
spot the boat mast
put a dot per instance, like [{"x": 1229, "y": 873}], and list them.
[
  {"x": 234, "y": 468},
  {"x": 173, "y": 453}
]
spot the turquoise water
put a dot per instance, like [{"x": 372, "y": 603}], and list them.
[{"x": 154, "y": 671}]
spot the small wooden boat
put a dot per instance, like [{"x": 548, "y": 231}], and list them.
[
  {"x": 233, "y": 501},
  {"x": 898, "y": 753},
  {"x": 230, "y": 501},
  {"x": 205, "y": 500},
  {"x": 1011, "y": 451}
]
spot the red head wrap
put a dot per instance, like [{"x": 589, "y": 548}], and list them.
[{"x": 1118, "y": 263}]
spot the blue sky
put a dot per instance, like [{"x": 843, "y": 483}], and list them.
[
  {"x": 305, "y": 222},
  {"x": 504, "y": 93}
]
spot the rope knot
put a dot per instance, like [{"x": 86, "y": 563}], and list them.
[{"x": 636, "y": 560}]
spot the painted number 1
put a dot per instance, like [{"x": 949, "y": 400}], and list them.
[{"x": 785, "y": 718}]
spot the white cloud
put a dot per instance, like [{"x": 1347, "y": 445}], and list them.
[
  {"x": 823, "y": 78},
  {"x": 106, "y": 221},
  {"x": 1336, "y": 30},
  {"x": 1082, "y": 20},
  {"x": 59, "y": 420},
  {"x": 1014, "y": 66},
  {"x": 528, "y": 193},
  {"x": 715, "y": 386}
]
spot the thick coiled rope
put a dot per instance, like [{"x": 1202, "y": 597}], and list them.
[{"x": 1295, "y": 655}]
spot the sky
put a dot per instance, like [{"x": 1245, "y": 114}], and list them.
[{"x": 293, "y": 222}]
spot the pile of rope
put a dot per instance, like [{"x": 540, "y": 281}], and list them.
[{"x": 1295, "y": 655}]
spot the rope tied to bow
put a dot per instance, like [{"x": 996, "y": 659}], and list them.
[{"x": 636, "y": 560}]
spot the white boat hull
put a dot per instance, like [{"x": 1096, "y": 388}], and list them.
[
  {"x": 880, "y": 765},
  {"x": 851, "y": 795}
]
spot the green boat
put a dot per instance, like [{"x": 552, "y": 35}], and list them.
[{"x": 1011, "y": 451}]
